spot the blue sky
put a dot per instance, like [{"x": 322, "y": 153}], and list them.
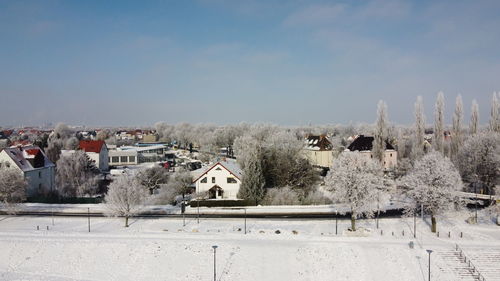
[{"x": 223, "y": 61}]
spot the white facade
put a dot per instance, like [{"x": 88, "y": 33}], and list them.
[
  {"x": 122, "y": 157},
  {"x": 221, "y": 180},
  {"x": 39, "y": 180},
  {"x": 390, "y": 157}
]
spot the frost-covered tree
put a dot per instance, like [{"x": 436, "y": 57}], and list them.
[
  {"x": 495, "y": 113},
  {"x": 438, "y": 141},
  {"x": 433, "y": 183},
  {"x": 152, "y": 178},
  {"x": 456, "y": 137},
  {"x": 356, "y": 181},
  {"x": 253, "y": 181},
  {"x": 474, "y": 118},
  {"x": 76, "y": 175},
  {"x": 72, "y": 143},
  {"x": 180, "y": 182},
  {"x": 125, "y": 197},
  {"x": 57, "y": 141},
  {"x": 12, "y": 185},
  {"x": 419, "y": 142},
  {"x": 479, "y": 160},
  {"x": 380, "y": 134}
]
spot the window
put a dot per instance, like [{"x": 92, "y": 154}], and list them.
[
  {"x": 131, "y": 159},
  {"x": 204, "y": 180},
  {"x": 231, "y": 180},
  {"x": 115, "y": 159},
  {"x": 213, "y": 179},
  {"x": 218, "y": 169},
  {"x": 123, "y": 158},
  {"x": 39, "y": 175},
  {"x": 39, "y": 187},
  {"x": 391, "y": 154}
]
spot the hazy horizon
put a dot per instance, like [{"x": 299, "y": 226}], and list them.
[{"x": 292, "y": 63}]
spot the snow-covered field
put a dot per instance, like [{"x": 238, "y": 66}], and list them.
[{"x": 164, "y": 249}]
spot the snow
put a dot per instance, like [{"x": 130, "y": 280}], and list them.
[{"x": 164, "y": 249}]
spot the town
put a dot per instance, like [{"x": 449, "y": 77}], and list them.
[
  {"x": 361, "y": 171},
  {"x": 250, "y": 140}
]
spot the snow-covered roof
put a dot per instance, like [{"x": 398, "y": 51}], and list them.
[
  {"x": 28, "y": 158},
  {"x": 231, "y": 166}
]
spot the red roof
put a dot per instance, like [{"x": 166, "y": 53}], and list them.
[
  {"x": 32, "y": 151},
  {"x": 91, "y": 145}
]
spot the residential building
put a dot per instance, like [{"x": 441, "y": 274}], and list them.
[
  {"x": 36, "y": 168},
  {"x": 364, "y": 145},
  {"x": 319, "y": 151},
  {"x": 221, "y": 180},
  {"x": 97, "y": 151}
]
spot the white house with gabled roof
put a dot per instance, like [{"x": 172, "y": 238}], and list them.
[
  {"x": 34, "y": 165},
  {"x": 221, "y": 180}
]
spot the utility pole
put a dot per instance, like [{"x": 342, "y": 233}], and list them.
[
  {"x": 245, "y": 220},
  {"x": 88, "y": 217}
]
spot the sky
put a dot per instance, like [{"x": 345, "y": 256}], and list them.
[{"x": 134, "y": 63}]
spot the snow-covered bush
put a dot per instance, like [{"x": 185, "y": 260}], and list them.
[{"x": 281, "y": 196}]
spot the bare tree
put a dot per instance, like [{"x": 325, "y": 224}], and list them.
[
  {"x": 357, "y": 181},
  {"x": 125, "y": 197},
  {"x": 474, "y": 118},
  {"x": 380, "y": 135},
  {"x": 495, "y": 114},
  {"x": 418, "y": 149},
  {"x": 439, "y": 123},
  {"x": 76, "y": 175},
  {"x": 456, "y": 138},
  {"x": 152, "y": 178},
  {"x": 433, "y": 183},
  {"x": 12, "y": 185},
  {"x": 479, "y": 160}
]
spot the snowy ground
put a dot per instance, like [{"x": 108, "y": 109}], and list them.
[{"x": 164, "y": 249}]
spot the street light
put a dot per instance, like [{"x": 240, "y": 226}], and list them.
[
  {"x": 215, "y": 250},
  {"x": 429, "y": 251}
]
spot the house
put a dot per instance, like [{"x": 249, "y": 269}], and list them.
[
  {"x": 319, "y": 151},
  {"x": 36, "y": 168},
  {"x": 364, "y": 145},
  {"x": 221, "y": 180},
  {"x": 97, "y": 151}
]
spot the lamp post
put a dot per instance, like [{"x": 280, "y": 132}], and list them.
[
  {"x": 215, "y": 250},
  {"x": 429, "y": 251},
  {"x": 475, "y": 202}
]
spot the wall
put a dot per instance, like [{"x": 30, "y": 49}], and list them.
[{"x": 230, "y": 189}]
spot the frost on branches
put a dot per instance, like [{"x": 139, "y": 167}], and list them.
[
  {"x": 356, "y": 180},
  {"x": 76, "y": 175},
  {"x": 125, "y": 197},
  {"x": 433, "y": 183},
  {"x": 12, "y": 186}
]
